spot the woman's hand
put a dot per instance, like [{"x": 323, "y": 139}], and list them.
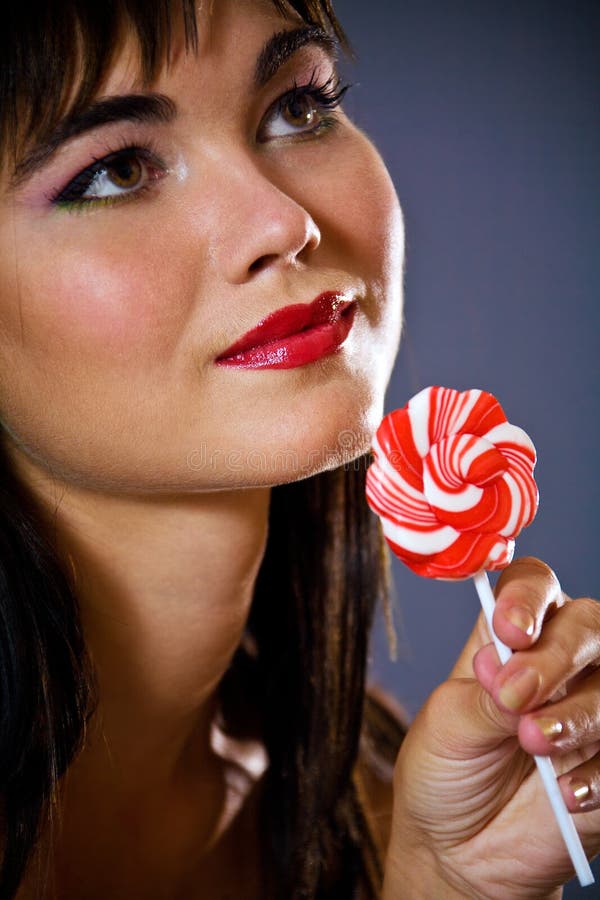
[{"x": 471, "y": 818}]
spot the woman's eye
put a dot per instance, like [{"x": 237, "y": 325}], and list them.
[
  {"x": 295, "y": 114},
  {"x": 125, "y": 172},
  {"x": 303, "y": 110}
]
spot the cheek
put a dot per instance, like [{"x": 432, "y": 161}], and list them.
[
  {"x": 100, "y": 305},
  {"x": 372, "y": 228},
  {"x": 85, "y": 330},
  {"x": 360, "y": 215},
  {"x": 366, "y": 204}
]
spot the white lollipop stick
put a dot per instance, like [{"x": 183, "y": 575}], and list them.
[{"x": 563, "y": 818}]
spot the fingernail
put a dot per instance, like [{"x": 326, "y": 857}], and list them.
[
  {"x": 519, "y": 689},
  {"x": 581, "y": 791},
  {"x": 550, "y": 728},
  {"x": 522, "y": 619}
]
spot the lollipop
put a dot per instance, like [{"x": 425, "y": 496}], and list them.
[{"x": 452, "y": 481}]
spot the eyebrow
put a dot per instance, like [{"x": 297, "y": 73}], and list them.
[
  {"x": 152, "y": 108},
  {"x": 282, "y": 45},
  {"x": 124, "y": 108}
]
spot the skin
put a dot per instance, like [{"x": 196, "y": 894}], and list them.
[{"x": 143, "y": 455}]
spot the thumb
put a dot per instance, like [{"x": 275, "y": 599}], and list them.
[
  {"x": 461, "y": 761},
  {"x": 461, "y": 721}
]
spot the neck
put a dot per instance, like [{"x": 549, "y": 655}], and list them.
[{"x": 164, "y": 585}]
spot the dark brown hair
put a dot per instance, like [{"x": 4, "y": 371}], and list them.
[{"x": 298, "y": 678}]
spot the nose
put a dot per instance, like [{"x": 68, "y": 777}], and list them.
[{"x": 263, "y": 227}]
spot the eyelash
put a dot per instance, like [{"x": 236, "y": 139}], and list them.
[
  {"x": 326, "y": 96},
  {"x": 71, "y": 197}
]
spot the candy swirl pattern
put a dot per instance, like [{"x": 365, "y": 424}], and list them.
[{"x": 453, "y": 483}]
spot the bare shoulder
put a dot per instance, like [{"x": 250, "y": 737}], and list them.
[{"x": 384, "y": 725}]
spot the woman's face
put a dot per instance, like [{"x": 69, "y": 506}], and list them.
[{"x": 122, "y": 283}]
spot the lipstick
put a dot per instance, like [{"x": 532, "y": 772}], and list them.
[{"x": 295, "y": 335}]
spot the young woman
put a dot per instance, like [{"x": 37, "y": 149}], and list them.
[{"x": 200, "y": 304}]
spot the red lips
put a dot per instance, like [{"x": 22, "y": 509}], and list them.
[{"x": 295, "y": 335}]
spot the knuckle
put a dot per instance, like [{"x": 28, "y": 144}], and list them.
[
  {"x": 537, "y": 567},
  {"x": 581, "y": 726},
  {"x": 590, "y": 610},
  {"x": 536, "y": 578},
  {"x": 586, "y": 613},
  {"x": 557, "y": 662},
  {"x": 493, "y": 714}
]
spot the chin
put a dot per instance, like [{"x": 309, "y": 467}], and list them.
[{"x": 321, "y": 446}]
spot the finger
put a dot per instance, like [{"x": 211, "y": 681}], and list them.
[
  {"x": 569, "y": 724},
  {"x": 479, "y": 637},
  {"x": 527, "y": 587},
  {"x": 581, "y": 786},
  {"x": 568, "y": 643},
  {"x": 527, "y": 593},
  {"x": 486, "y": 666}
]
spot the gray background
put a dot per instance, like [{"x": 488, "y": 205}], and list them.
[{"x": 486, "y": 114}]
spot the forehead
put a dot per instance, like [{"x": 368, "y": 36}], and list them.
[{"x": 224, "y": 32}]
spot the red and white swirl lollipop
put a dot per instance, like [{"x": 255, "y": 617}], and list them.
[{"x": 452, "y": 481}]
